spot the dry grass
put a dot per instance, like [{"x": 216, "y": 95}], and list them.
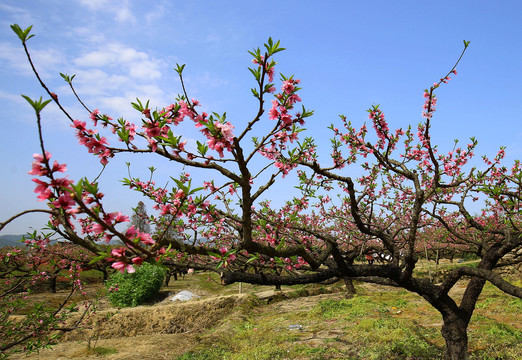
[{"x": 378, "y": 323}]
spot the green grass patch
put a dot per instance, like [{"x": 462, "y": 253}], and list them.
[
  {"x": 102, "y": 351},
  {"x": 494, "y": 340}
]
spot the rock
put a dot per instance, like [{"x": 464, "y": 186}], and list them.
[{"x": 184, "y": 296}]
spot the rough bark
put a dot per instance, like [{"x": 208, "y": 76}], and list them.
[{"x": 455, "y": 334}]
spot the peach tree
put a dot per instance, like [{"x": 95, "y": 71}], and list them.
[{"x": 411, "y": 195}]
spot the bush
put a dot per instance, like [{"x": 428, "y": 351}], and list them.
[{"x": 134, "y": 289}]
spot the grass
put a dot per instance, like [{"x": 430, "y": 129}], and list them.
[
  {"x": 377, "y": 323},
  {"x": 102, "y": 351}
]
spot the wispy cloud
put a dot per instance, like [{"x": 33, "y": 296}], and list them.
[
  {"x": 120, "y": 10},
  {"x": 113, "y": 75},
  {"x": 22, "y": 16},
  {"x": 13, "y": 57},
  {"x": 136, "y": 64}
]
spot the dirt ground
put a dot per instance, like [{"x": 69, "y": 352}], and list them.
[
  {"x": 163, "y": 330},
  {"x": 167, "y": 329}
]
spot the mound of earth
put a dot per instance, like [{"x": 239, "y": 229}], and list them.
[
  {"x": 162, "y": 330},
  {"x": 170, "y": 318}
]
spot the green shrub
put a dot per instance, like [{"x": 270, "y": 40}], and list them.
[{"x": 124, "y": 290}]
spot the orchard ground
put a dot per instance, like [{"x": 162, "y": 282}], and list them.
[{"x": 379, "y": 322}]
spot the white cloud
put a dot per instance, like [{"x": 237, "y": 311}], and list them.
[
  {"x": 114, "y": 75},
  {"x": 94, "y": 4},
  {"x": 11, "y": 97},
  {"x": 124, "y": 15},
  {"x": 46, "y": 61},
  {"x": 119, "y": 9},
  {"x": 96, "y": 82},
  {"x": 22, "y": 15},
  {"x": 14, "y": 58},
  {"x": 145, "y": 70},
  {"x": 93, "y": 59},
  {"x": 204, "y": 81},
  {"x": 88, "y": 35},
  {"x": 120, "y": 58}
]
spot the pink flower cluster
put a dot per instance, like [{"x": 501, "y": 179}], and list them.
[
  {"x": 429, "y": 105},
  {"x": 121, "y": 262},
  {"x": 269, "y": 67},
  {"x": 219, "y": 134},
  {"x": 94, "y": 143},
  {"x": 98, "y": 230},
  {"x": 221, "y": 139},
  {"x": 285, "y": 101},
  {"x": 137, "y": 236},
  {"x": 61, "y": 198},
  {"x": 380, "y": 125}
]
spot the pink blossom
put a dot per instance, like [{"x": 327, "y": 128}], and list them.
[
  {"x": 94, "y": 116},
  {"x": 40, "y": 157},
  {"x": 146, "y": 239},
  {"x": 121, "y": 218},
  {"x": 118, "y": 252},
  {"x": 59, "y": 167},
  {"x": 270, "y": 72},
  {"x": 42, "y": 189},
  {"x": 37, "y": 169},
  {"x": 137, "y": 260},
  {"x": 121, "y": 266},
  {"x": 64, "y": 201},
  {"x": 131, "y": 232},
  {"x": 273, "y": 114},
  {"x": 97, "y": 228},
  {"x": 288, "y": 87},
  {"x": 259, "y": 62},
  {"x": 79, "y": 125},
  {"x": 226, "y": 130},
  {"x": 153, "y": 144}
]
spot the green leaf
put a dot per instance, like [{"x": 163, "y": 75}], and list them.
[
  {"x": 78, "y": 188},
  {"x": 179, "y": 68},
  {"x": 281, "y": 244},
  {"x": 256, "y": 73},
  {"x": 214, "y": 254},
  {"x": 98, "y": 258},
  {"x": 255, "y": 257},
  {"x": 37, "y": 105},
  {"x": 67, "y": 78},
  {"x": 22, "y": 34},
  {"x": 202, "y": 148},
  {"x": 195, "y": 190},
  {"x": 138, "y": 106}
]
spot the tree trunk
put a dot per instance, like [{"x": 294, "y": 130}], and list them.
[
  {"x": 455, "y": 333},
  {"x": 350, "y": 289},
  {"x": 53, "y": 284},
  {"x": 167, "y": 278}
]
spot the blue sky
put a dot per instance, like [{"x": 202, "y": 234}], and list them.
[{"x": 347, "y": 54}]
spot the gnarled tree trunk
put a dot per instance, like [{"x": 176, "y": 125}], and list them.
[{"x": 454, "y": 331}]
